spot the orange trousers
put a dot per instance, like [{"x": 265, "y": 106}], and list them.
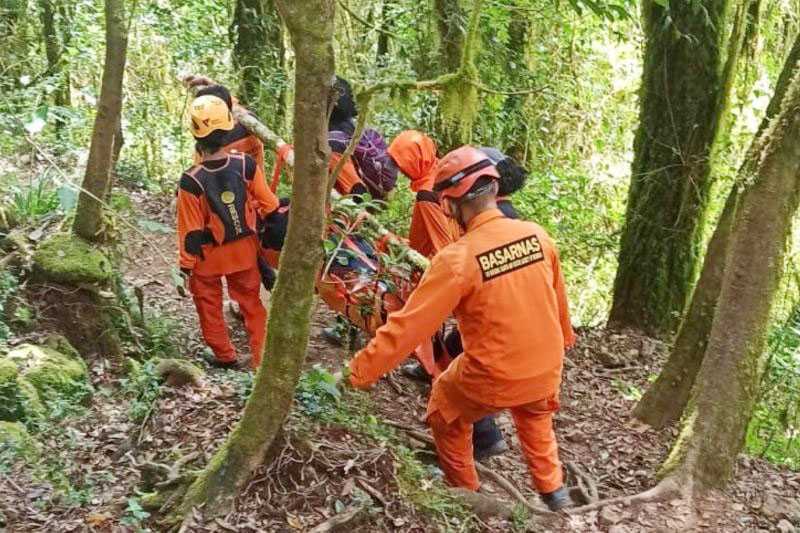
[
  {"x": 451, "y": 415},
  {"x": 243, "y": 287}
]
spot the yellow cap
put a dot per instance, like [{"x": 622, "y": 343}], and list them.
[{"x": 207, "y": 114}]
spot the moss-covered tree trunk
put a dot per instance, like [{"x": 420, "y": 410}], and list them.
[
  {"x": 727, "y": 385},
  {"x": 666, "y": 399},
  {"x": 451, "y": 23},
  {"x": 97, "y": 180},
  {"x": 258, "y": 55},
  {"x": 310, "y": 24},
  {"x": 458, "y": 48},
  {"x": 517, "y": 69},
  {"x": 682, "y": 101}
]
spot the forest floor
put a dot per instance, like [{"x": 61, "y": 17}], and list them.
[{"x": 338, "y": 456}]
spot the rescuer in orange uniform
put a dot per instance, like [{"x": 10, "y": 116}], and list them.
[
  {"x": 238, "y": 139},
  {"x": 414, "y": 153},
  {"x": 415, "y": 156},
  {"x": 219, "y": 203},
  {"x": 503, "y": 282}
]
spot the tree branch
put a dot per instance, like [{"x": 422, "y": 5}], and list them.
[{"x": 366, "y": 22}]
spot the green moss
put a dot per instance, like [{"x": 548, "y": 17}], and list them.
[
  {"x": 51, "y": 371},
  {"x": 179, "y": 372},
  {"x": 19, "y": 400},
  {"x": 64, "y": 258},
  {"x": 14, "y": 438}
]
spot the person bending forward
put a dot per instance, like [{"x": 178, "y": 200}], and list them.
[{"x": 502, "y": 281}]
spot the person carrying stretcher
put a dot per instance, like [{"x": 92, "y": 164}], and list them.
[
  {"x": 414, "y": 153},
  {"x": 220, "y": 201},
  {"x": 503, "y": 282}
]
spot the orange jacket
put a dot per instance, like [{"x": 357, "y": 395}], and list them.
[
  {"x": 503, "y": 282},
  {"x": 415, "y": 156},
  {"x": 196, "y": 224}
]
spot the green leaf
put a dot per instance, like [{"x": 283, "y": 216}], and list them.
[
  {"x": 67, "y": 197},
  {"x": 662, "y": 3}
]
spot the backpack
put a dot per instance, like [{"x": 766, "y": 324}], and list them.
[
  {"x": 371, "y": 158},
  {"x": 225, "y": 191}
]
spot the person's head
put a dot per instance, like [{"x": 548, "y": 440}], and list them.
[
  {"x": 414, "y": 153},
  {"x": 209, "y": 120},
  {"x": 220, "y": 91},
  {"x": 344, "y": 110},
  {"x": 467, "y": 183},
  {"x": 512, "y": 174}
]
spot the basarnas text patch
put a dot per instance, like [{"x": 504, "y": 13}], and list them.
[{"x": 510, "y": 257}]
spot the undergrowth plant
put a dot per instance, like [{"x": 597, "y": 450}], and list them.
[
  {"x": 141, "y": 388},
  {"x": 774, "y": 431},
  {"x": 419, "y": 483}
]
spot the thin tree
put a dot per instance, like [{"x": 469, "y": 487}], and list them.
[
  {"x": 683, "y": 98},
  {"x": 726, "y": 387},
  {"x": 310, "y": 24},
  {"x": 666, "y": 399},
  {"x": 97, "y": 181},
  {"x": 385, "y": 28},
  {"x": 56, "y": 18},
  {"x": 259, "y": 56}
]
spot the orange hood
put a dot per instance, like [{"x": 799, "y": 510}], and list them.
[{"x": 415, "y": 155}]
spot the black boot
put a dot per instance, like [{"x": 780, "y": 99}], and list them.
[
  {"x": 557, "y": 500},
  {"x": 487, "y": 440}
]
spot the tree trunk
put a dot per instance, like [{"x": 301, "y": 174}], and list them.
[
  {"x": 458, "y": 103},
  {"x": 451, "y": 22},
  {"x": 683, "y": 98},
  {"x": 54, "y": 43},
  {"x": 517, "y": 74},
  {"x": 258, "y": 55},
  {"x": 666, "y": 399},
  {"x": 97, "y": 180},
  {"x": 310, "y": 24},
  {"x": 386, "y": 25},
  {"x": 727, "y": 385}
]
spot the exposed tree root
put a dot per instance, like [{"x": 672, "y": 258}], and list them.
[
  {"x": 585, "y": 484},
  {"x": 338, "y": 520},
  {"x": 483, "y": 470},
  {"x": 667, "y": 488}
]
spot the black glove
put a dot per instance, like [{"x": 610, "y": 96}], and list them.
[
  {"x": 185, "y": 274},
  {"x": 275, "y": 226},
  {"x": 268, "y": 274}
]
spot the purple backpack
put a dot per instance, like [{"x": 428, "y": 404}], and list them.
[{"x": 371, "y": 159}]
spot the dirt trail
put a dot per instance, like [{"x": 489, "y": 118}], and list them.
[{"x": 319, "y": 465}]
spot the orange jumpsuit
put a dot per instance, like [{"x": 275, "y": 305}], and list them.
[
  {"x": 203, "y": 252},
  {"x": 503, "y": 282}
]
